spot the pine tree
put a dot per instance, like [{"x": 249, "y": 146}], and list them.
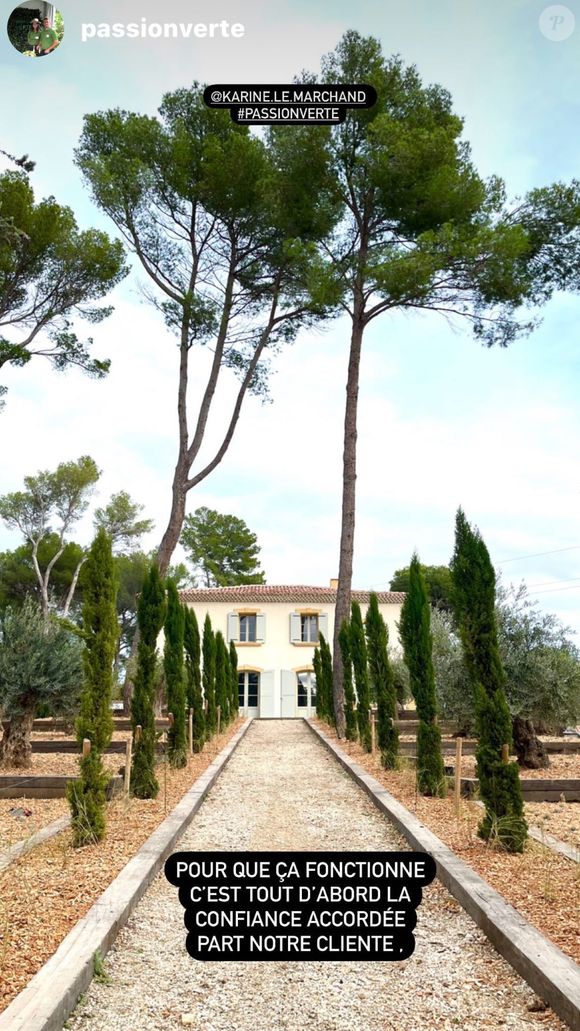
[
  {"x": 192, "y": 646},
  {"x": 151, "y": 612},
  {"x": 208, "y": 677},
  {"x": 383, "y": 685},
  {"x": 221, "y": 678},
  {"x": 349, "y": 698},
  {"x": 358, "y": 651},
  {"x": 234, "y": 694},
  {"x": 474, "y": 602},
  {"x": 101, "y": 633},
  {"x": 326, "y": 680},
  {"x": 415, "y": 631},
  {"x": 175, "y": 677}
]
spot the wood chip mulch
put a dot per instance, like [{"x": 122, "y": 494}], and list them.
[
  {"x": 62, "y": 881},
  {"x": 560, "y": 819},
  {"x": 16, "y": 826},
  {"x": 542, "y": 885}
]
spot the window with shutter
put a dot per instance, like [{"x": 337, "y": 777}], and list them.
[
  {"x": 247, "y": 627},
  {"x": 309, "y": 629}
]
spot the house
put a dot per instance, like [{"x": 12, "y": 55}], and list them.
[{"x": 275, "y": 630}]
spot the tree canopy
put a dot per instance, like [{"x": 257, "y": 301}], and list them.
[
  {"x": 50, "y": 273},
  {"x": 52, "y": 502},
  {"x": 437, "y": 581},
  {"x": 539, "y": 657},
  {"x": 226, "y": 226},
  {"x": 222, "y": 549},
  {"x": 120, "y": 520}
]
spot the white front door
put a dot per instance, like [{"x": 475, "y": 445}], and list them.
[
  {"x": 249, "y": 693},
  {"x": 298, "y": 694},
  {"x": 306, "y": 693}
]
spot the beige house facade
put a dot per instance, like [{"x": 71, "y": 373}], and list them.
[{"x": 275, "y": 630}]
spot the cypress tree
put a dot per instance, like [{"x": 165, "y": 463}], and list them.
[
  {"x": 221, "y": 678},
  {"x": 150, "y": 618},
  {"x": 234, "y": 694},
  {"x": 316, "y": 663},
  {"x": 358, "y": 651},
  {"x": 228, "y": 682},
  {"x": 349, "y": 698},
  {"x": 175, "y": 676},
  {"x": 86, "y": 796},
  {"x": 474, "y": 603},
  {"x": 326, "y": 676},
  {"x": 194, "y": 700},
  {"x": 381, "y": 676},
  {"x": 415, "y": 630},
  {"x": 208, "y": 677}
]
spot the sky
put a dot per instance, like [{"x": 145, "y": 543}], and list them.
[{"x": 442, "y": 421}]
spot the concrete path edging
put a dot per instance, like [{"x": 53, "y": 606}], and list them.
[
  {"x": 552, "y": 975},
  {"x": 52, "y": 994}
]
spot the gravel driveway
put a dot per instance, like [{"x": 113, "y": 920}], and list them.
[{"x": 282, "y": 790}]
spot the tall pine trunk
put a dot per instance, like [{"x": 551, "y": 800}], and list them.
[
  {"x": 343, "y": 594},
  {"x": 177, "y": 515}
]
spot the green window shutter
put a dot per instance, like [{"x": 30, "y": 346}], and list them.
[
  {"x": 323, "y": 625},
  {"x": 233, "y": 626},
  {"x": 260, "y": 628}
]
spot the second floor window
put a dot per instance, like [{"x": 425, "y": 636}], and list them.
[
  {"x": 248, "y": 627},
  {"x": 309, "y": 629}
]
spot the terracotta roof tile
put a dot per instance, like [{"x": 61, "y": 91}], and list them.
[{"x": 292, "y": 594}]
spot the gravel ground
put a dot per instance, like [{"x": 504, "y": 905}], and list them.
[{"x": 283, "y": 791}]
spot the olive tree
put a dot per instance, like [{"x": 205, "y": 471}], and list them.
[{"x": 40, "y": 665}]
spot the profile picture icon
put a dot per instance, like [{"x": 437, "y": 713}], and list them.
[{"x": 35, "y": 28}]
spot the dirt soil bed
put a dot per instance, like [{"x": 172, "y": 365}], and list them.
[
  {"x": 62, "y": 881},
  {"x": 542, "y": 885},
  {"x": 18, "y": 828}
]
